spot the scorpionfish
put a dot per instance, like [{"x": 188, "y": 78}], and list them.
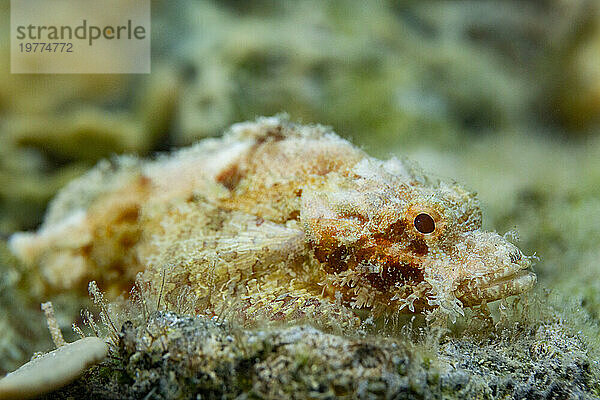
[{"x": 282, "y": 221}]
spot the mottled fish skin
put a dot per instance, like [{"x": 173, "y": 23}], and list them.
[{"x": 283, "y": 220}]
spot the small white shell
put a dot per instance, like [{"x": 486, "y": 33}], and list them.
[{"x": 53, "y": 370}]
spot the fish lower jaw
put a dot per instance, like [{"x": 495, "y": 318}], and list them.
[{"x": 508, "y": 285}]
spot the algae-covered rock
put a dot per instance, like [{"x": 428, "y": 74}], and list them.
[{"x": 170, "y": 356}]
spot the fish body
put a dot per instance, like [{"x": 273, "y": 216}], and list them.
[{"x": 283, "y": 221}]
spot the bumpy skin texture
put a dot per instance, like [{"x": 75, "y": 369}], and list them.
[{"x": 283, "y": 221}]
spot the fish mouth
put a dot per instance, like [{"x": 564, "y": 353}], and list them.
[{"x": 489, "y": 288}]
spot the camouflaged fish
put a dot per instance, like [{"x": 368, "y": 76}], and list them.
[{"x": 283, "y": 220}]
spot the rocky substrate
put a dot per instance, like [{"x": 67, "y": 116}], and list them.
[{"x": 172, "y": 356}]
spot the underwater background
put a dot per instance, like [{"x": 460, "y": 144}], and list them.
[{"x": 502, "y": 96}]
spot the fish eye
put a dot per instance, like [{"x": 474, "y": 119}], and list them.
[{"x": 424, "y": 223}]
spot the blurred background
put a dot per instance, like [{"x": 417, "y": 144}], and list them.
[{"x": 503, "y": 96}]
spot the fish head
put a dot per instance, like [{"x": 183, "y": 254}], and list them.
[
  {"x": 393, "y": 240},
  {"x": 464, "y": 264}
]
